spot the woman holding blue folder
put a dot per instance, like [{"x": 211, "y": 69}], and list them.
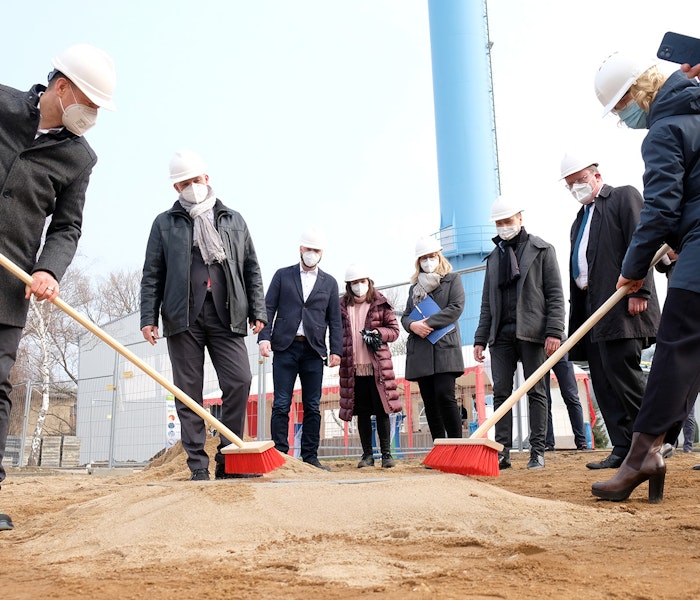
[{"x": 434, "y": 348}]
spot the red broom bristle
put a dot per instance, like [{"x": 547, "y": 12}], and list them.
[
  {"x": 253, "y": 462},
  {"x": 464, "y": 460}
]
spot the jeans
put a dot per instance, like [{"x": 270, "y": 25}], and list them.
[
  {"x": 566, "y": 377},
  {"x": 689, "y": 433},
  {"x": 302, "y": 360}
]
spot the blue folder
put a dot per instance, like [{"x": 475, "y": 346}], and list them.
[{"x": 427, "y": 308}]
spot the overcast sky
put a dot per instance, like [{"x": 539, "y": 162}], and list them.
[{"x": 320, "y": 112}]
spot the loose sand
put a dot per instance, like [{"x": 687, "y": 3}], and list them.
[{"x": 387, "y": 533}]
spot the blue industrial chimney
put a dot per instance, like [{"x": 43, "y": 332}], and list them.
[{"x": 466, "y": 141}]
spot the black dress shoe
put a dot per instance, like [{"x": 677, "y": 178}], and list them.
[
  {"x": 220, "y": 473},
  {"x": 200, "y": 475},
  {"x": 549, "y": 448},
  {"x": 318, "y": 465},
  {"x": 666, "y": 450},
  {"x": 611, "y": 462},
  {"x": 503, "y": 463},
  {"x": 536, "y": 461},
  {"x": 5, "y": 522},
  {"x": 696, "y": 468}
]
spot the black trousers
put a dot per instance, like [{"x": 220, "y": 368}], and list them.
[
  {"x": 368, "y": 403},
  {"x": 441, "y": 409},
  {"x": 9, "y": 341},
  {"x": 230, "y": 359},
  {"x": 505, "y": 353},
  {"x": 674, "y": 380},
  {"x": 619, "y": 383},
  {"x": 568, "y": 387}
]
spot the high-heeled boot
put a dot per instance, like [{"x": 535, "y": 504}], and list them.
[{"x": 643, "y": 463}]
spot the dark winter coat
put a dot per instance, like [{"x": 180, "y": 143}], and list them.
[
  {"x": 382, "y": 318},
  {"x": 39, "y": 178},
  {"x": 445, "y": 356},
  {"x": 165, "y": 284},
  {"x": 614, "y": 220},
  {"x": 671, "y": 152},
  {"x": 540, "y": 298}
]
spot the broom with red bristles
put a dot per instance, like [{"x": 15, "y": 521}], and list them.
[
  {"x": 478, "y": 455},
  {"x": 240, "y": 457}
]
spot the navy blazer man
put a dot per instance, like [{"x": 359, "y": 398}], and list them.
[{"x": 303, "y": 303}]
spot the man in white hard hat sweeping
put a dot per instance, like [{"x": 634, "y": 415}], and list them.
[
  {"x": 303, "y": 305},
  {"x": 600, "y": 236},
  {"x": 522, "y": 319},
  {"x": 201, "y": 274},
  {"x": 45, "y": 166}
]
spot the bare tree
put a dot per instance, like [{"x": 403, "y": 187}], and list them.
[
  {"x": 50, "y": 342},
  {"x": 118, "y": 295}
]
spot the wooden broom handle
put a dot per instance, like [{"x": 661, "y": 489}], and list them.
[
  {"x": 130, "y": 356},
  {"x": 547, "y": 365}
]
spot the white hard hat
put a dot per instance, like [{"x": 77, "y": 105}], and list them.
[
  {"x": 186, "y": 165},
  {"x": 616, "y": 76},
  {"x": 355, "y": 272},
  {"x": 573, "y": 163},
  {"x": 91, "y": 70},
  {"x": 427, "y": 245},
  {"x": 313, "y": 238},
  {"x": 503, "y": 208}
]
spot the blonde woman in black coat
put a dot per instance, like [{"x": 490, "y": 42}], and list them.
[{"x": 435, "y": 366}]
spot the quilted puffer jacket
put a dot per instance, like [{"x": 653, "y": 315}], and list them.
[{"x": 382, "y": 318}]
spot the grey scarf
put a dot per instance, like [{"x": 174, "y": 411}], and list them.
[
  {"x": 206, "y": 237},
  {"x": 426, "y": 283}
]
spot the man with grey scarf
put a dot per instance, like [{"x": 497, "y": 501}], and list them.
[
  {"x": 522, "y": 319},
  {"x": 201, "y": 274}
]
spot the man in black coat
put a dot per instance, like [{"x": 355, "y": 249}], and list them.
[
  {"x": 521, "y": 319},
  {"x": 45, "y": 166},
  {"x": 303, "y": 304},
  {"x": 600, "y": 236},
  {"x": 201, "y": 274}
]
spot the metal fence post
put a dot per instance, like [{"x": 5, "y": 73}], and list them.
[{"x": 112, "y": 421}]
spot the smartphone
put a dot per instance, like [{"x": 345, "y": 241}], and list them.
[{"x": 679, "y": 49}]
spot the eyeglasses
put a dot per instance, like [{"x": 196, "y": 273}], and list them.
[{"x": 583, "y": 179}]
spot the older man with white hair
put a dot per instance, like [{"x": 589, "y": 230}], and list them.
[{"x": 201, "y": 274}]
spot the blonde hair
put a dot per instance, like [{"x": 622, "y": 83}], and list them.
[
  {"x": 644, "y": 90},
  {"x": 444, "y": 267}
]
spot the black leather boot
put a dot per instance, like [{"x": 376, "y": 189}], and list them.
[
  {"x": 644, "y": 462},
  {"x": 384, "y": 433},
  {"x": 364, "y": 428}
]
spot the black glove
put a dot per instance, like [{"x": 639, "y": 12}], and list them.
[{"x": 373, "y": 339}]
